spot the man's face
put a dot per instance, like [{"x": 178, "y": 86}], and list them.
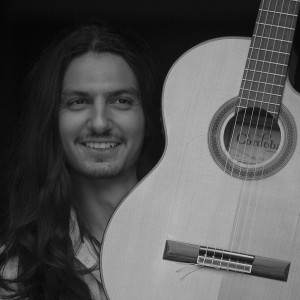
[{"x": 101, "y": 120}]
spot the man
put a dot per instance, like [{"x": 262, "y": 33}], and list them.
[
  {"x": 90, "y": 131},
  {"x": 102, "y": 127}
]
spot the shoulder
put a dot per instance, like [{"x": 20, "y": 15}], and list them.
[
  {"x": 10, "y": 268},
  {"x": 9, "y": 271}
]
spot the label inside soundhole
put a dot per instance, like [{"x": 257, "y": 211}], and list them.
[
  {"x": 252, "y": 136},
  {"x": 251, "y": 144}
]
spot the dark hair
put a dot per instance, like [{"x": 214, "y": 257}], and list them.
[{"x": 39, "y": 184}]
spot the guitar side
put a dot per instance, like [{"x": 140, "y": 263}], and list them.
[{"x": 189, "y": 198}]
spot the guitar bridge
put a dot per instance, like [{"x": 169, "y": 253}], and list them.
[{"x": 226, "y": 260}]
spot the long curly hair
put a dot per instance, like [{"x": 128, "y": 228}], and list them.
[{"x": 40, "y": 202}]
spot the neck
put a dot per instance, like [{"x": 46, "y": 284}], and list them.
[{"x": 99, "y": 198}]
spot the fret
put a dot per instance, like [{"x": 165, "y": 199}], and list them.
[
  {"x": 288, "y": 7},
  {"x": 263, "y": 72},
  {"x": 257, "y": 91},
  {"x": 269, "y": 56},
  {"x": 276, "y": 12},
  {"x": 250, "y": 84},
  {"x": 274, "y": 39},
  {"x": 267, "y": 95},
  {"x": 266, "y": 67},
  {"x": 273, "y": 51},
  {"x": 256, "y": 83},
  {"x": 261, "y": 102},
  {"x": 279, "y": 19},
  {"x": 277, "y": 26},
  {"x": 258, "y": 76},
  {"x": 263, "y": 97},
  {"x": 260, "y": 96},
  {"x": 265, "y": 106},
  {"x": 273, "y": 31},
  {"x": 261, "y": 91},
  {"x": 251, "y": 71},
  {"x": 271, "y": 44},
  {"x": 266, "y": 62},
  {"x": 264, "y": 77},
  {"x": 274, "y": 112},
  {"x": 262, "y": 86}
]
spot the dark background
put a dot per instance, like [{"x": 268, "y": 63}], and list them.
[{"x": 170, "y": 26}]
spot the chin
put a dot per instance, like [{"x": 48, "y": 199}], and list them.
[{"x": 103, "y": 172}]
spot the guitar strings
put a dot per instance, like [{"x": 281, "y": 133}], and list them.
[
  {"x": 254, "y": 199},
  {"x": 188, "y": 269},
  {"x": 259, "y": 81},
  {"x": 264, "y": 127},
  {"x": 264, "y": 83},
  {"x": 277, "y": 97},
  {"x": 287, "y": 29},
  {"x": 241, "y": 96},
  {"x": 272, "y": 95},
  {"x": 265, "y": 69},
  {"x": 239, "y": 204},
  {"x": 257, "y": 124},
  {"x": 234, "y": 156}
]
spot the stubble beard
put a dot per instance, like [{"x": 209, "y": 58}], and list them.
[{"x": 101, "y": 170}]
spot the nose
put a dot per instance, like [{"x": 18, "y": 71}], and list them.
[{"x": 99, "y": 118}]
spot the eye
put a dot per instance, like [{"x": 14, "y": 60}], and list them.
[
  {"x": 122, "y": 103},
  {"x": 78, "y": 103}
]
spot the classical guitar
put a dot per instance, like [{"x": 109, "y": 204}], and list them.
[{"x": 219, "y": 216}]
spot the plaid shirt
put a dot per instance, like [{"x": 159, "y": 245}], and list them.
[{"x": 88, "y": 257}]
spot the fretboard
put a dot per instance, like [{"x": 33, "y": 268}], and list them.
[{"x": 266, "y": 67}]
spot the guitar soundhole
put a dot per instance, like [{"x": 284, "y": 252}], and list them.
[
  {"x": 251, "y": 144},
  {"x": 252, "y": 136}
]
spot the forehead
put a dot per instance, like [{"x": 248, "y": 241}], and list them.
[{"x": 99, "y": 71}]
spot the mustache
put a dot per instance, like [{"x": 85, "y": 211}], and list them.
[{"x": 103, "y": 137}]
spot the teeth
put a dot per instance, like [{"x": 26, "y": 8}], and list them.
[{"x": 101, "y": 146}]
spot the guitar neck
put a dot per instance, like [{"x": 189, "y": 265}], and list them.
[{"x": 268, "y": 57}]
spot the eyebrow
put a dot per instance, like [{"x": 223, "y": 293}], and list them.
[{"x": 130, "y": 91}]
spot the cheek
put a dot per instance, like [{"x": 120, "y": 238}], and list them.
[
  {"x": 69, "y": 125},
  {"x": 135, "y": 127}
]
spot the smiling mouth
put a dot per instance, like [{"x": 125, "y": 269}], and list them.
[{"x": 101, "y": 146}]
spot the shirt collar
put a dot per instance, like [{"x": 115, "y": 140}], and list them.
[{"x": 83, "y": 247}]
